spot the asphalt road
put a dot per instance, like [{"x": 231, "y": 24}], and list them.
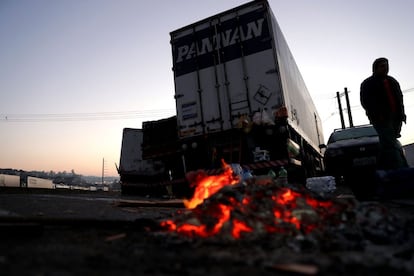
[
  {"x": 99, "y": 206},
  {"x": 55, "y": 233}
]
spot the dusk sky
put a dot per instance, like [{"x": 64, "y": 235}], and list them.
[{"x": 74, "y": 73}]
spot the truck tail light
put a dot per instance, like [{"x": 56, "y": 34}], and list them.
[{"x": 281, "y": 113}]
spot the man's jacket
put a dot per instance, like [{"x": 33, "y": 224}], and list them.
[{"x": 375, "y": 100}]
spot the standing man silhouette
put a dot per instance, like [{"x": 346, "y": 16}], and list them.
[{"x": 382, "y": 99}]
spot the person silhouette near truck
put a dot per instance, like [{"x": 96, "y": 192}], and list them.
[{"x": 382, "y": 99}]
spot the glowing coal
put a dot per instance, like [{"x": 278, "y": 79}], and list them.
[
  {"x": 224, "y": 205},
  {"x": 207, "y": 185}
]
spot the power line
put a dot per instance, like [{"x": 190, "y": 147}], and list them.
[
  {"x": 55, "y": 117},
  {"x": 405, "y": 91},
  {"x": 99, "y": 116}
]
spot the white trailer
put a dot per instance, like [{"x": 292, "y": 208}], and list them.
[
  {"x": 239, "y": 97},
  {"x": 7, "y": 180},
  {"x": 238, "y": 63},
  {"x": 133, "y": 169},
  {"x": 36, "y": 182},
  {"x": 235, "y": 69}
]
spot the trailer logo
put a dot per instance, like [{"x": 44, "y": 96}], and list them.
[{"x": 221, "y": 42}]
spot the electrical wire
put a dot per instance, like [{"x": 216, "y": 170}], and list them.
[
  {"x": 117, "y": 115},
  {"x": 63, "y": 117},
  {"x": 353, "y": 107}
]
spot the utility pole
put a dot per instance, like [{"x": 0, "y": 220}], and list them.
[
  {"x": 103, "y": 170},
  {"x": 317, "y": 129},
  {"x": 341, "y": 114},
  {"x": 348, "y": 106}
]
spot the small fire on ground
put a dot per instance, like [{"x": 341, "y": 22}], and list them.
[{"x": 224, "y": 205}]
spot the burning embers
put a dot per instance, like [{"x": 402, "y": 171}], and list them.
[
  {"x": 224, "y": 205},
  {"x": 206, "y": 186}
]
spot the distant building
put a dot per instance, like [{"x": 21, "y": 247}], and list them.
[{"x": 409, "y": 153}]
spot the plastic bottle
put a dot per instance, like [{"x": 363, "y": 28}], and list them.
[
  {"x": 247, "y": 174},
  {"x": 282, "y": 177},
  {"x": 272, "y": 174}
]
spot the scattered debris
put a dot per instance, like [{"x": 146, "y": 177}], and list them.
[
  {"x": 115, "y": 237},
  {"x": 171, "y": 203},
  {"x": 297, "y": 268}
]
